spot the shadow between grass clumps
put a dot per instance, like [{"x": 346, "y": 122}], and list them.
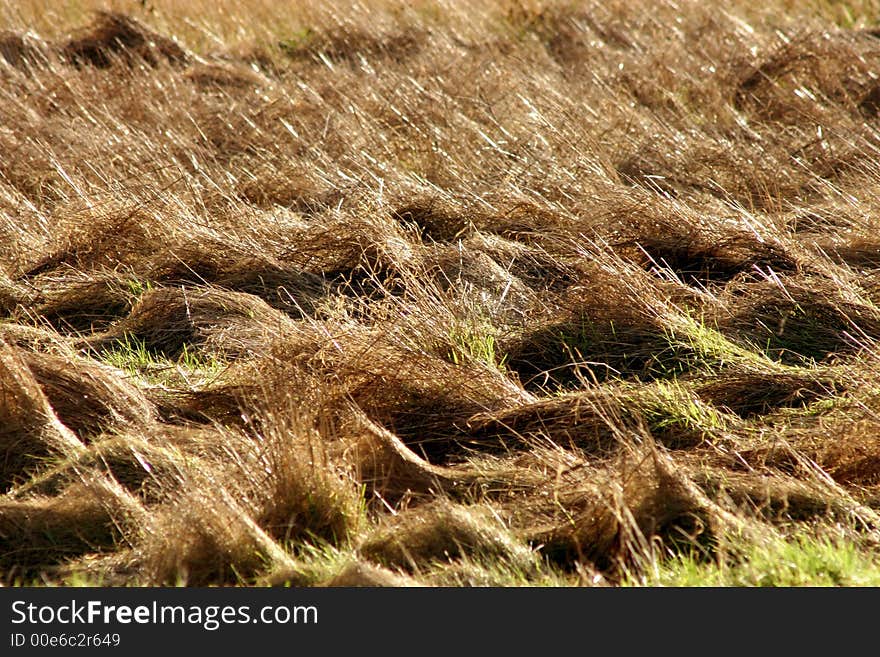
[
  {"x": 346, "y": 43},
  {"x": 621, "y": 325},
  {"x": 589, "y": 348}
]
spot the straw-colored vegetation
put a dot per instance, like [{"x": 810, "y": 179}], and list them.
[{"x": 440, "y": 293}]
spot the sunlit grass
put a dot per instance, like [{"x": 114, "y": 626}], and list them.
[
  {"x": 803, "y": 561},
  {"x": 284, "y": 285},
  {"x": 192, "y": 367}
]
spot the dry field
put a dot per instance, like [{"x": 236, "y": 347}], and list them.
[{"x": 437, "y": 293}]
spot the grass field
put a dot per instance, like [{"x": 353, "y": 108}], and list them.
[{"x": 484, "y": 293}]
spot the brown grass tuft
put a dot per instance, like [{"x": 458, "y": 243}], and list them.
[
  {"x": 205, "y": 537},
  {"x": 89, "y": 398},
  {"x": 40, "y": 533},
  {"x": 116, "y": 37},
  {"x": 165, "y": 320},
  {"x": 298, "y": 491},
  {"x": 612, "y": 517},
  {"x": 83, "y": 302},
  {"x": 835, "y": 66},
  {"x": 24, "y": 51},
  {"x": 754, "y": 393},
  {"x": 440, "y": 532},
  {"x": 797, "y": 323},
  {"x": 30, "y": 431}
]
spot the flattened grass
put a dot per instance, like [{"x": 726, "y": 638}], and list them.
[{"x": 469, "y": 294}]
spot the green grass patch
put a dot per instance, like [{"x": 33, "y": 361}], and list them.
[
  {"x": 712, "y": 350},
  {"x": 476, "y": 341},
  {"x": 799, "y": 561},
  {"x": 191, "y": 367},
  {"x": 671, "y": 406}
]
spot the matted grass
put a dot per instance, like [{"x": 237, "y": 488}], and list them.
[{"x": 484, "y": 293}]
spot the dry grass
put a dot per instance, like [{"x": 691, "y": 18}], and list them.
[{"x": 490, "y": 293}]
